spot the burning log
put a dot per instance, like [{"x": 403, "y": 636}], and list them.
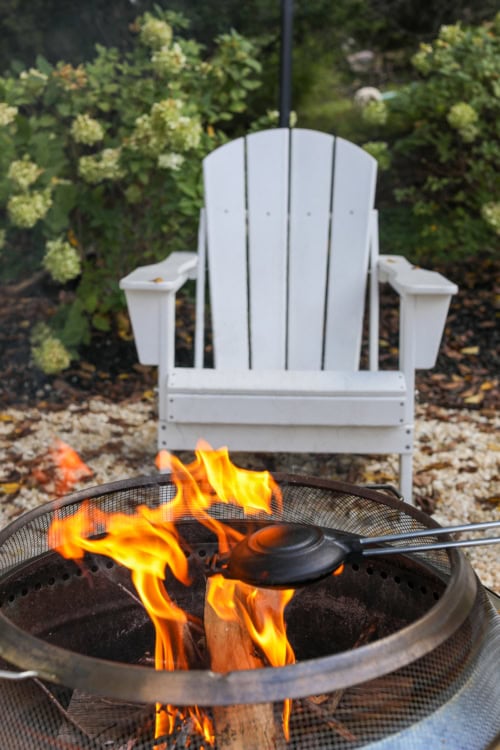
[{"x": 239, "y": 727}]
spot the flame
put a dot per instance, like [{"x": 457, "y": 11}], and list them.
[{"x": 147, "y": 542}]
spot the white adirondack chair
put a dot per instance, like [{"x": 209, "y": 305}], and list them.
[{"x": 290, "y": 238}]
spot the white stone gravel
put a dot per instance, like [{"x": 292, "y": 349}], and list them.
[{"x": 456, "y": 462}]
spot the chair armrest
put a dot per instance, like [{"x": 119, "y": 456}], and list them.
[
  {"x": 167, "y": 275},
  {"x": 424, "y": 299},
  {"x": 150, "y": 292},
  {"x": 406, "y": 278}
]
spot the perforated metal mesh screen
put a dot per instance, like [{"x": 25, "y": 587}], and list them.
[{"x": 450, "y": 694}]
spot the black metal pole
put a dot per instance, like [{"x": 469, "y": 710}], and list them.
[{"x": 286, "y": 62}]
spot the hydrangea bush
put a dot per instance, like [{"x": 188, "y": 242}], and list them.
[
  {"x": 441, "y": 137},
  {"x": 100, "y": 165}
]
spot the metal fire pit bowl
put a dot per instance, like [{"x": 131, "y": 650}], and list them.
[{"x": 397, "y": 651}]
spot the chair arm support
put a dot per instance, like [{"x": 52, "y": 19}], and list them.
[
  {"x": 406, "y": 278},
  {"x": 150, "y": 292},
  {"x": 167, "y": 275},
  {"x": 424, "y": 298}
]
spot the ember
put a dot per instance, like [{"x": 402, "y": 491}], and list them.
[{"x": 148, "y": 543}]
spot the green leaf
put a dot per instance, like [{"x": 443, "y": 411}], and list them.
[
  {"x": 46, "y": 121},
  {"x": 101, "y": 322},
  {"x": 64, "y": 109},
  {"x": 43, "y": 65},
  {"x": 76, "y": 328}
]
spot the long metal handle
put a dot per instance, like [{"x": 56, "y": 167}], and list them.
[
  {"x": 369, "y": 551},
  {"x": 17, "y": 675},
  {"x": 369, "y": 540}
]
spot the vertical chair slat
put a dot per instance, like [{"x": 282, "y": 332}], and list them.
[
  {"x": 267, "y": 201},
  {"x": 353, "y": 198},
  {"x": 310, "y": 191},
  {"x": 224, "y": 175}
]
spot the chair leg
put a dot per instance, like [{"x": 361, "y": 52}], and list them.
[{"x": 406, "y": 477}]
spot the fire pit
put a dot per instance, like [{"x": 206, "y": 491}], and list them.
[{"x": 394, "y": 652}]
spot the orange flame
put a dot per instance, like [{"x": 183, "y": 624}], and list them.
[{"x": 148, "y": 544}]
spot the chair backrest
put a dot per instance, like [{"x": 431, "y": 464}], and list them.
[{"x": 287, "y": 228}]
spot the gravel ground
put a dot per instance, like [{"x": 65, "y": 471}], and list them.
[{"x": 456, "y": 461}]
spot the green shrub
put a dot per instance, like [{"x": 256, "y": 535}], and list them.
[
  {"x": 100, "y": 165},
  {"x": 443, "y": 133}
]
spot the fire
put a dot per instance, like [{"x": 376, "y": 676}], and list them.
[{"x": 148, "y": 543}]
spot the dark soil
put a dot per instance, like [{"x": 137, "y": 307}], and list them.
[{"x": 466, "y": 374}]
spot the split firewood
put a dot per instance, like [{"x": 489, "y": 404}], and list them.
[{"x": 238, "y": 727}]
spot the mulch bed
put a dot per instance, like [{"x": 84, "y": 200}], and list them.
[{"x": 466, "y": 374}]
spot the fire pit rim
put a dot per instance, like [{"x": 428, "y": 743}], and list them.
[
  {"x": 164, "y": 478},
  {"x": 141, "y": 684}
]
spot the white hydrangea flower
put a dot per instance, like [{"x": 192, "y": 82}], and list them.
[
  {"x": 144, "y": 138},
  {"x": 34, "y": 81},
  {"x": 168, "y": 60},
  {"x": 87, "y": 130},
  {"x": 7, "y": 114},
  {"x": 187, "y": 134},
  {"x": 451, "y": 34},
  {"x": 103, "y": 166},
  {"x": 33, "y": 73},
  {"x": 27, "y": 208},
  {"x": 50, "y": 355},
  {"x": 491, "y": 214},
  {"x": 24, "y": 172},
  {"x": 165, "y": 129},
  {"x": 170, "y": 161},
  {"x": 422, "y": 60},
  {"x": 155, "y": 33},
  {"x": 375, "y": 113},
  {"x": 61, "y": 260},
  {"x": 462, "y": 117},
  {"x": 166, "y": 114}
]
